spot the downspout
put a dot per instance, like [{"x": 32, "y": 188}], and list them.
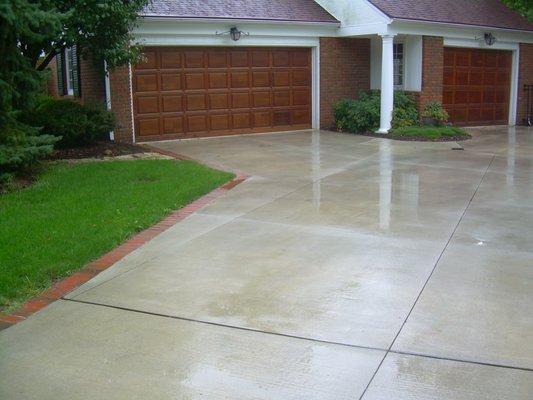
[{"x": 108, "y": 97}]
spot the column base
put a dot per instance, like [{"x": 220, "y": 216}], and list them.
[{"x": 383, "y": 131}]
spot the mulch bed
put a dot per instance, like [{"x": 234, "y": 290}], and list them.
[
  {"x": 97, "y": 150},
  {"x": 413, "y": 138}
]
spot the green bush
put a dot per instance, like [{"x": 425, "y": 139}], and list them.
[
  {"x": 75, "y": 123},
  {"x": 405, "y": 111},
  {"x": 363, "y": 115},
  {"x": 360, "y": 115},
  {"x": 20, "y": 149},
  {"x": 436, "y": 111}
]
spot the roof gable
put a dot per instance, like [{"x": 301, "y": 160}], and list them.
[
  {"x": 489, "y": 13},
  {"x": 264, "y": 10}
]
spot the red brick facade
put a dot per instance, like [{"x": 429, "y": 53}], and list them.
[
  {"x": 432, "y": 70},
  {"x": 525, "y": 77},
  {"x": 344, "y": 71},
  {"x": 92, "y": 81},
  {"x": 121, "y": 105}
]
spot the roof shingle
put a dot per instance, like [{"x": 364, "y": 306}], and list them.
[
  {"x": 489, "y": 13},
  {"x": 268, "y": 10}
]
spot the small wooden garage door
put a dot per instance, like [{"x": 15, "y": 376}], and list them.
[
  {"x": 477, "y": 85},
  {"x": 195, "y": 92}
]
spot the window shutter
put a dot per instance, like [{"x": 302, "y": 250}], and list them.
[
  {"x": 75, "y": 64},
  {"x": 61, "y": 80}
]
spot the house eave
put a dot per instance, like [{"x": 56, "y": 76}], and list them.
[
  {"x": 240, "y": 20},
  {"x": 459, "y": 25}
]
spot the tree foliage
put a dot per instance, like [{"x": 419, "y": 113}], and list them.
[
  {"x": 32, "y": 32},
  {"x": 524, "y": 7}
]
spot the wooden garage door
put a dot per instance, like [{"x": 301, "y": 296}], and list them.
[
  {"x": 477, "y": 85},
  {"x": 195, "y": 92}
]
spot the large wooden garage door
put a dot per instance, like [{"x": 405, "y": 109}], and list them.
[
  {"x": 477, "y": 85},
  {"x": 195, "y": 92}
]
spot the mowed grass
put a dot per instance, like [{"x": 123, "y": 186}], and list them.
[
  {"x": 432, "y": 133},
  {"x": 74, "y": 213}
]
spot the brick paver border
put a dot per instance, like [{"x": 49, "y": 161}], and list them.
[{"x": 89, "y": 271}]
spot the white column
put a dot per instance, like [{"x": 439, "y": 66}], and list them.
[{"x": 387, "y": 83}]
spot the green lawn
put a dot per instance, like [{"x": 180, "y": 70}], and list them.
[
  {"x": 432, "y": 133},
  {"x": 76, "y": 212}
]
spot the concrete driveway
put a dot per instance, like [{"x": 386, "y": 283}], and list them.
[{"x": 345, "y": 267}]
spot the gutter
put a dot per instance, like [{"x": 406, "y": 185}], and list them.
[
  {"x": 459, "y": 25},
  {"x": 240, "y": 20}
]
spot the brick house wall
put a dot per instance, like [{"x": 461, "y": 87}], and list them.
[
  {"x": 121, "y": 103},
  {"x": 92, "y": 81},
  {"x": 432, "y": 70},
  {"x": 344, "y": 71},
  {"x": 525, "y": 77}
]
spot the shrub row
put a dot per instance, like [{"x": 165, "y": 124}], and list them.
[{"x": 363, "y": 115}]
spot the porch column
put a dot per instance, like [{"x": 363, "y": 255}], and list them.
[{"x": 387, "y": 83}]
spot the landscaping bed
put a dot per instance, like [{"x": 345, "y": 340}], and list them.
[
  {"x": 75, "y": 212},
  {"x": 99, "y": 149},
  {"x": 424, "y": 134}
]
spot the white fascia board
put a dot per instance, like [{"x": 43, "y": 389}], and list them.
[
  {"x": 377, "y": 28},
  {"x": 458, "y": 31},
  {"x": 169, "y": 32}
]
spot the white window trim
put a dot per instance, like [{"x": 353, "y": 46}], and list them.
[
  {"x": 402, "y": 86},
  {"x": 68, "y": 74}
]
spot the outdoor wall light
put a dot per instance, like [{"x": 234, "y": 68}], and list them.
[{"x": 234, "y": 33}]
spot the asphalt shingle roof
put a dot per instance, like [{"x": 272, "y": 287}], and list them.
[
  {"x": 267, "y": 10},
  {"x": 490, "y": 13}
]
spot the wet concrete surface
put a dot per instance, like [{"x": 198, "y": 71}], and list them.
[{"x": 344, "y": 267}]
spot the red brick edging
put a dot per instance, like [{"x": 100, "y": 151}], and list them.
[{"x": 89, "y": 271}]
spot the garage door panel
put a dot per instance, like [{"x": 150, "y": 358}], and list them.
[
  {"x": 170, "y": 82},
  {"x": 300, "y": 116},
  {"x": 476, "y": 78},
  {"x": 202, "y": 91},
  {"x": 479, "y": 91},
  {"x": 261, "y": 99},
  {"x": 194, "y": 80},
  {"x": 238, "y": 58},
  {"x": 261, "y": 58},
  {"x": 300, "y": 59},
  {"x": 281, "y": 58},
  {"x": 218, "y": 80},
  {"x": 170, "y": 60},
  {"x": 196, "y": 102},
  {"x": 219, "y": 122},
  {"x": 173, "y": 125},
  {"x": 197, "y": 123},
  {"x": 282, "y": 98},
  {"x": 241, "y": 100},
  {"x": 147, "y": 104},
  {"x": 262, "y": 119},
  {"x": 281, "y": 78},
  {"x": 261, "y": 78},
  {"x": 194, "y": 58},
  {"x": 149, "y": 61},
  {"x": 172, "y": 103},
  {"x": 301, "y": 97},
  {"x": 146, "y": 83},
  {"x": 301, "y": 77},
  {"x": 241, "y": 120},
  {"x": 148, "y": 126},
  {"x": 240, "y": 79},
  {"x": 219, "y": 101},
  {"x": 217, "y": 59},
  {"x": 281, "y": 118}
]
